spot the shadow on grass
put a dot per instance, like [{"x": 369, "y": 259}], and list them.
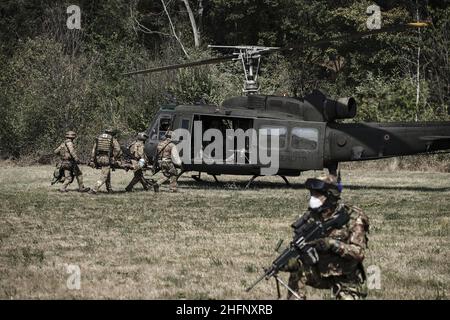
[
  {"x": 400, "y": 188},
  {"x": 261, "y": 184}
]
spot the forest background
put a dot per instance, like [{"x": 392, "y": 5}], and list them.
[{"x": 55, "y": 79}]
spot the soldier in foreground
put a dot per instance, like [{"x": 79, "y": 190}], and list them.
[
  {"x": 328, "y": 246},
  {"x": 69, "y": 163},
  {"x": 340, "y": 252},
  {"x": 105, "y": 155},
  {"x": 139, "y": 161},
  {"x": 167, "y": 157}
]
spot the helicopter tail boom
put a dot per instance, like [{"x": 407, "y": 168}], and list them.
[{"x": 366, "y": 141}]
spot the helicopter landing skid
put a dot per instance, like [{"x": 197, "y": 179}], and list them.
[
  {"x": 256, "y": 176},
  {"x": 180, "y": 174},
  {"x": 286, "y": 181},
  {"x": 199, "y": 179}
]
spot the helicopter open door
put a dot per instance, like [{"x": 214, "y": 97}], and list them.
[
  {"x": 157, "y": 131},
  {"x": 300, "y": 144}
]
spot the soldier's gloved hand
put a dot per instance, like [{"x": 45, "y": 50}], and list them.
[
  {"x": 321, "y": 245},
  {"x": 92, "y": 164},
  {"x": 324, "y": 244}
]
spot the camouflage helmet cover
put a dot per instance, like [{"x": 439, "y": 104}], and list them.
[
  {"x": 109, "y": 130},
  {"x": 142, "y": 136},
  {"x": 71, "y": 134},
  {"x": 325, "y": 184}
]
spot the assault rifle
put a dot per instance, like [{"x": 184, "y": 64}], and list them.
[
  {"x": 58, "y": 173},
  {"x": 300, "y": 247}
]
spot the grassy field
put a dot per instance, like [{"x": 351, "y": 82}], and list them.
[{"x": 209, "y": 241}]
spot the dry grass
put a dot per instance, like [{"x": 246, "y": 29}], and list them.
[{"x": 208, "y": 241}]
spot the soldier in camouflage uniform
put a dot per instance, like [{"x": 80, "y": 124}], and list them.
[
  {"x": 167, "y": 153},
  {"x": 341, "y": 253},
  {"x": 105, "y": 155},
  {"x": 138, "y": 161},
  {"x": 69, "y": 163}
]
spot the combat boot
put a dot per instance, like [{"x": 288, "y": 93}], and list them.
[
  {"x": 156, "y": 187},
  {"x": 63, "y": 190},
  {"x": 84, "y": 189},
  {"x": 92, "y": 192}
]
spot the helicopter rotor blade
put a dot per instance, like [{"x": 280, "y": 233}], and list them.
[
  {"x": 268, "y": 50},
  {"x": 184, "y": 65}
]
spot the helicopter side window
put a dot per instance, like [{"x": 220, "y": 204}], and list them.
[
  {"x": 185, "y": 124},
  {"x": 305, "y": 138},
  {"x": 267, "y": 131}
]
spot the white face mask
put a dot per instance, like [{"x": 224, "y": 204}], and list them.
[{"x": 315, "y": 203}]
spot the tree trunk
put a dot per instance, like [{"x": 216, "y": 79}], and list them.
[{"x": 195, "y": 30}]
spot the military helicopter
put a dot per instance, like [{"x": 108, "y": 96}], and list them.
[{"x": 309, "y": 137}]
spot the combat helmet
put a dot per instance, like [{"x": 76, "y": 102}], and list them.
[
  {"x": 326, "y": 185},
  {"x": 142, "y": 136},
  {"x": 110, "y": 131},
  {"x": 71, "y": 135}
]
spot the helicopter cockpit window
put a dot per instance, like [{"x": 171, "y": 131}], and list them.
[
  {"x": 305, "y": 138},
  {"x": 164, "y": 126},
  {"x": 267, "y": 131}
]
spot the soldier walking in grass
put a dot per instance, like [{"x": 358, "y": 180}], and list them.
[
  {"x": 168, "y": 158},
  {"x": 340, "y": 253},
  {"x": 138, "y": 161},
  {"x": 105, "y": 156},
  {"x": 69, "y": 163}
]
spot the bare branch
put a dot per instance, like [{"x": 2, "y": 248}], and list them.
[
  {"x": 173, "y": 29},
  {"x": 144, "y": 29}
]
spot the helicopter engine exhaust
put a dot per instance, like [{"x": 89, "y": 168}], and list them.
[
  {"x": 343, "y": 108},
  {"x": 319, "y": 107}
]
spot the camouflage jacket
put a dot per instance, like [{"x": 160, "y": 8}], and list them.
[
  {"x": 137, "y": 150},
  {"x": 164, "y": 149},
  {"x": 66, "y": 151},
  {"x": 352, "y": 237}
]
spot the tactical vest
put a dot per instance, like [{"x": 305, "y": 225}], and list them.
[{"x": 104, "y": 145}]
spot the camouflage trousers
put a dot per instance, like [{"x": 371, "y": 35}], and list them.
[
  {"x": 69, "y": 174},
  {"x": 138, "y": 177},
  {"x": 105, "y": 178},
  {"x": 170, "y": 174},
  {"x": 344, "y": 287}
]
